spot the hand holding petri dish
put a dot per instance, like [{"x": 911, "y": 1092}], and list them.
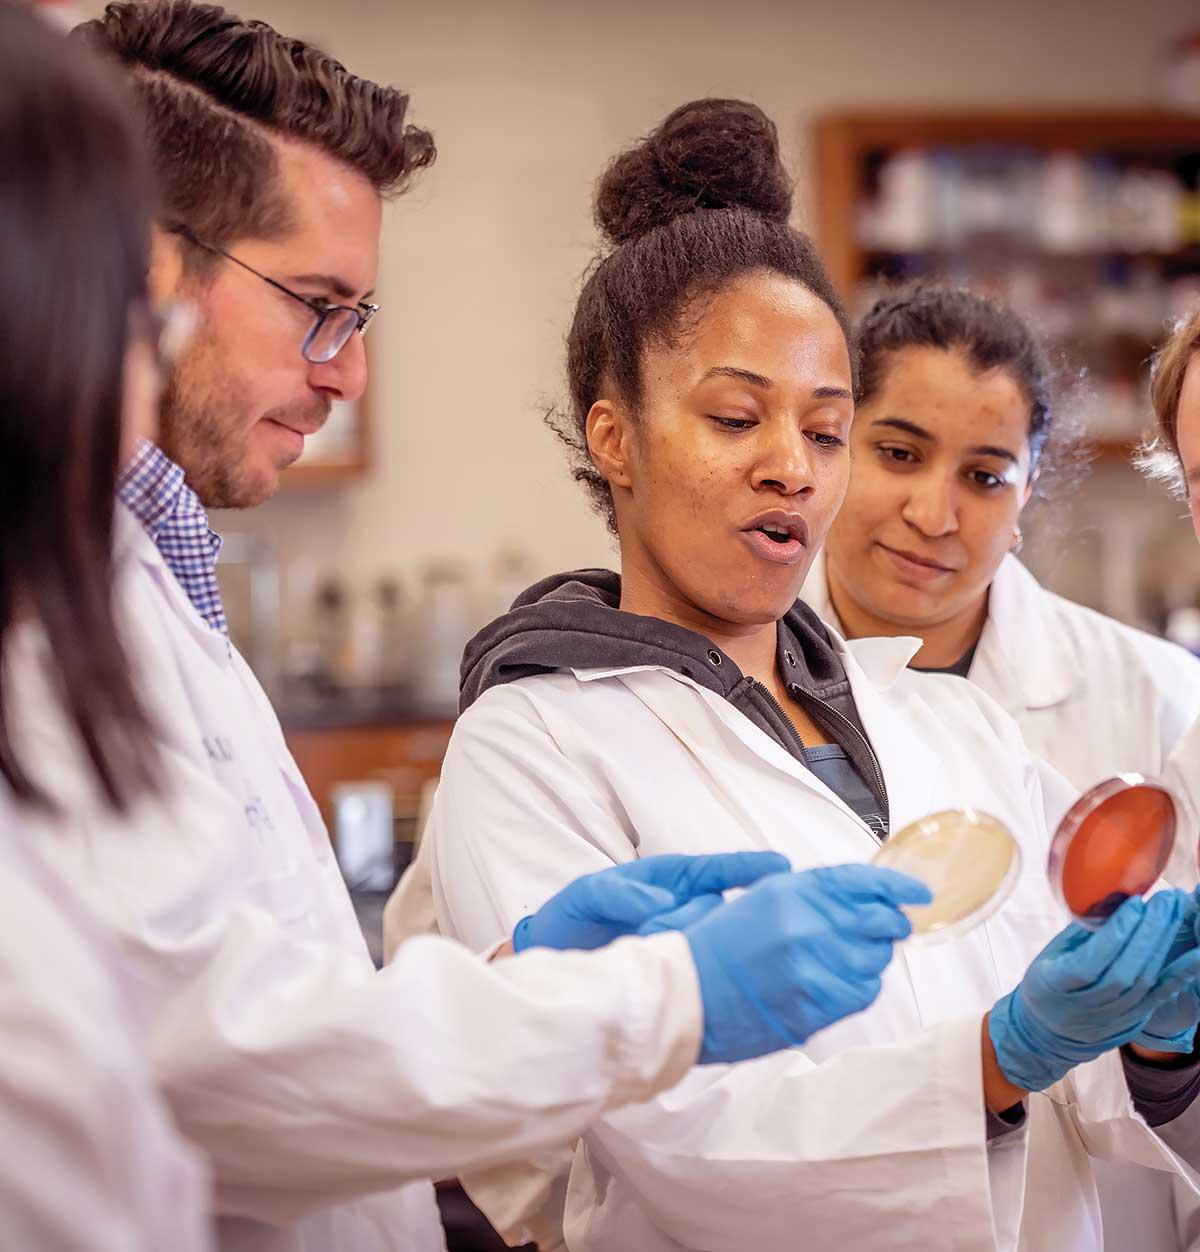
[
  {"x": 968, "y": 860},
  {"x": 1114, "y": 842}
]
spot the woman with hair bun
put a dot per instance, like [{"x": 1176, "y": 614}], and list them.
[{"x": 692, "y": 703}]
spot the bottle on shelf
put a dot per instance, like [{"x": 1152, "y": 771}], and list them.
[{"x": 444, "y": 623}]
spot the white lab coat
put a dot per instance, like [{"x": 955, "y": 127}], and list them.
[
  {"x": 1094, "y": 698},
  {"x": 89, "y": 1159},
  {"x": 307, "y": 1077},
  {"x": 873, "y": 1135}
]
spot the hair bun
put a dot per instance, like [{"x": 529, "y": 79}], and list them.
[{"x": 709, "y": 154}]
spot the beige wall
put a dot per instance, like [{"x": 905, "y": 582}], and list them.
[{"x": 528, "y": 98}]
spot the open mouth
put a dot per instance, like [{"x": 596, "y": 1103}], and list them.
[{"x": 778, "y": 537}]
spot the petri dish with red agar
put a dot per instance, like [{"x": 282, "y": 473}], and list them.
[
  {"x": 1114, "y": 842},
  {"x": 969, "y": 860}
]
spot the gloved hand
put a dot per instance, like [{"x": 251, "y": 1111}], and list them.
[
  {"x": 1172, "y": 1027},
  {"x": 1089, "y": 991},
  {"x": 598, "y": 908},
  {"x": 795, "y": 953}
]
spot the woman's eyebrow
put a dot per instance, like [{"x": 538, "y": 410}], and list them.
[
  {"x": 909, "y": 428},
  {"x": 732, "y": 371},
  {"x": 919, "y": 432},
  {"x": 761, "y": 380}
]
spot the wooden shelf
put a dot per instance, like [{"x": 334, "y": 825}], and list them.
[
  {"x": 847, "y": 147},
  {"x": 404, "y": 756},
  {"x": 1112, "y": 449},
  {"x": 843, "y": 142},
  {"x": 305, "y": 477},
  {"x": 309, "y": 475}
]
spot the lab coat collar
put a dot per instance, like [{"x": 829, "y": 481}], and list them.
[
  {"x": 883, "y": 658},
  {"x": 871, "y": 671},
  {"x": 1020, "y": 650},
  {"x": 132, "y": 544}
]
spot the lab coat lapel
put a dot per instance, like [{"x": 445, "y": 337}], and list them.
[
  {"x": 1022, "y": 660},
  {"x": 874, "y": 666},
  {"x": 709, "y": 727},
  {"x": 130, "y": 536},
  {"x": 912, "y": 767}
]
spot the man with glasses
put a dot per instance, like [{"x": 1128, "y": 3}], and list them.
[{"x": 322, "y": 1091}]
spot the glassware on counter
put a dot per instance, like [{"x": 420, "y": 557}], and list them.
[{"x": 444, "y": 622}]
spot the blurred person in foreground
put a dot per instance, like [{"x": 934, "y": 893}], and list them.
[{"x": 89, "y": 1160}]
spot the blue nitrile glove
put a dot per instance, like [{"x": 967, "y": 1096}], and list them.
[
  {"x": 598, "y": 908},
  {"x": 1172, "y": 1027},
  {"x": 1089, "y": 991},
  {"x": 795, "y": 953}
]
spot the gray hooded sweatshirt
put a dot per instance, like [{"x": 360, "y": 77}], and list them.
[{"x": 573, "y": 621}]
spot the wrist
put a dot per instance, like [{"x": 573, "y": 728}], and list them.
[
  {"x": 1160, "y": 1059},
  {"x": 999, "y": 1093}
]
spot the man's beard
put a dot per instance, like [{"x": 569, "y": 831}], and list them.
[
  {"x": 199, "y": 431},
  {"x": 203, "y": 429}
]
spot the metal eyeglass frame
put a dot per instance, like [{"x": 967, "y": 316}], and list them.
[{"x": 363, "y": 312}]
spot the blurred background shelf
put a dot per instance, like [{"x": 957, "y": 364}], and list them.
[{"x": 1087, "y": 222}]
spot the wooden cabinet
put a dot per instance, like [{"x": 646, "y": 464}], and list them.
[
  {"x": 403, "y": 754},
  {"x": 1092, "y": 293},
  {"x": 340, "y": 452}
]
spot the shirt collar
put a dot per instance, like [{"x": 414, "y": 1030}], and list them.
[{"x": 153, "y": 488}]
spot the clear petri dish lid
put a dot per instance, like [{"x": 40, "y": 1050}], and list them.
[
  {"x": 1114, "y": 842},
  {"x": 968, "y": 859}
]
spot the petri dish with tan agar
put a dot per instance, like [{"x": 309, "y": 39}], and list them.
[
  {"x": 1114, "y": 842},
  {"x": 969, "y": 861}
]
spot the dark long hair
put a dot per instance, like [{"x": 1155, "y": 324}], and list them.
[{"x": 75, "y": 208}]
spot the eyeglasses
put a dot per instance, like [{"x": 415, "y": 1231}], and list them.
[{"x": 334, "y": 324}]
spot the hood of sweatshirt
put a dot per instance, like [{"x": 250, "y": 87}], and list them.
[{"x": 574, "y": 621}]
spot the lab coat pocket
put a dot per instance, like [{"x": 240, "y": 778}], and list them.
[{"x": 1016, "y": 932}]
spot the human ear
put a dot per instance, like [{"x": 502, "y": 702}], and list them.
[{"x": 610, "y": 442}]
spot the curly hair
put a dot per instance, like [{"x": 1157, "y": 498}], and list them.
[
  {"x": 216, "y": 90},
  {"x": 701, "y": 201}
]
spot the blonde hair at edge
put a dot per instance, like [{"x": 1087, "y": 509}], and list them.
[{"x": 1161, "y": 459}]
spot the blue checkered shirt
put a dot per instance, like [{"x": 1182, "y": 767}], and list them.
[{"x": 152, "y": 488}]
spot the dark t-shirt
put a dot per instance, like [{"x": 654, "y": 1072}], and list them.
[
  {"x": 961, "y": 667},
  {"x": 835, "y": 769}
]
